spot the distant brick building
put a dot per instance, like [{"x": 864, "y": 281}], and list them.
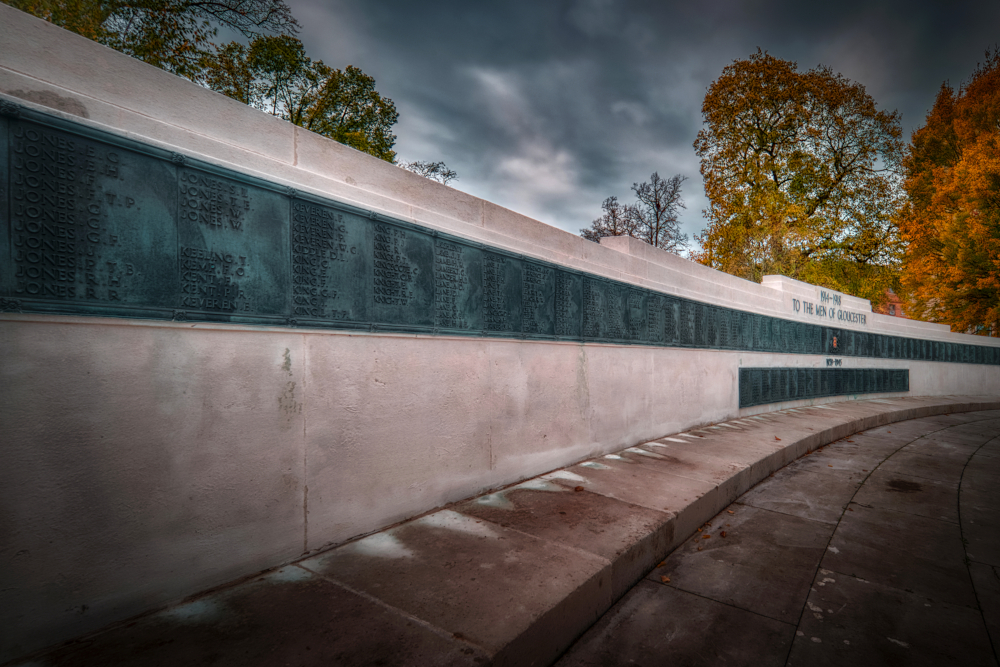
[{"x": 893, "y": 305}]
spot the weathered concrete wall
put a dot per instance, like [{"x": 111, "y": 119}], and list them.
[{"x": 144, "y": 461}]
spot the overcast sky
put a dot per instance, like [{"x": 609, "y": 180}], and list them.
[{"x": 547, "y": 108}]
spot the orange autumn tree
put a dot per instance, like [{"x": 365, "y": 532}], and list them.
[
  {"x": 801, "y": 172},
  {"x": 951, "y": 222}
]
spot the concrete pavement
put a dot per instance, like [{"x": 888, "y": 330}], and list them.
[{"x": 515, "y": 576}]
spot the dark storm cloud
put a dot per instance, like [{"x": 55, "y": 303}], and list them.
[{"x": 549, "y": 107}]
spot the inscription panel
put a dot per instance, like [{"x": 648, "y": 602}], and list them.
[
  {"x": 74, "y": 237},
  {"x": 594, "y": 298},
  {"x": 99, "y": 224},
  {"x": 759, "y": 386},
  {"x": 656, "y": 319},
  {"x": 538, "y": 291},
  {"x": 403, "y": 276},
  {"x": 232, "y": 249},
  {"x": 458, "y": 286},
  {"x": 568, "y": 305},
  {"x": 330, "y": 267},
  {"x": 616, "y": 312},
  {"x": 637, "y": 315},
  {"x": 502, "y": 283}
]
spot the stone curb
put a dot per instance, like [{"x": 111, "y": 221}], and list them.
[
  {"x": 641, "y": 556},
  {"x": 600, "y": 584}
]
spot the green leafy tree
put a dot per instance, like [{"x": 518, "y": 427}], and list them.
[
  {"x": 275, "y": 75},
  {"x": 175, "y": 35},
  {"x": 802, "y": 175}
]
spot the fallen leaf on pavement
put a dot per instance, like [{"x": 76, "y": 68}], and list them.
[
  {"x": 665, "y": 580},
  {"x": 731, "y": 512},
  {"x": 699, "y": 548},
  {"x": 777, "y": 438},
  {"x": 705, "y": 537},
  {"x": 722, "y": 534},
  {"x": 662, "y": 563},
  {"x": 828, "y": 465},
  {"x": 579, "y": 488}
]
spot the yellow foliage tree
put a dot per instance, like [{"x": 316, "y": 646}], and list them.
[
  {"x": 801, "y": 174},
  {"x": 951, "y": 223}
]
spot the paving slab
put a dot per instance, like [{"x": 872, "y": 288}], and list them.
[
  {"x": 986, "y": 579},
  {"x": 288, "y": 617},
  {"x": 968, "y": 436},
  {"x": 754, "y": 559},
  {"x": 843, "y": 456},
  {"x": 907, "y": 551},
  {"x": 850, "y": 621},
  {"x": 894, "y": 490},
  {"x": 930, "y": 461},
  {"x": 660, "y": 625},
  {"x": 980, "y": 512},
  {"x": 821, "y": 496},
  {"x": 983, "y": 476}
]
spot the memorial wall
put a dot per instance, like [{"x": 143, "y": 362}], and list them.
[
  {"x": 228, "y": 341},
  {"x": 101, "y": 225}
]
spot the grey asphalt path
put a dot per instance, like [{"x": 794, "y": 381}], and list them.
[{"x": 879, "y": 549}]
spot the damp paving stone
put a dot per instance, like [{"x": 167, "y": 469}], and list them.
[
  {"x": 819, "y": 496},
  {"x": 986, "y": 579},
  {"x": 865, "y": 623},
  {"x": 905, "y": 551},
  {"x": 930, "y": 463},
  {"x": 982, "y": 472},
  {"x": 660, "y": 625},
  {"x": 288, "y": 617},
  {"x": 495, "y": 587},
  {"x": 850, "y": 457},
  {"x": 764, "y": 564},
  {"x": 908, "y": 494},
  {"x": 630, "y": 536},
  {"x": 982, "y": 476},
  {"x": 979, "y": 507},
  {"x": 969, "y": 436}
]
